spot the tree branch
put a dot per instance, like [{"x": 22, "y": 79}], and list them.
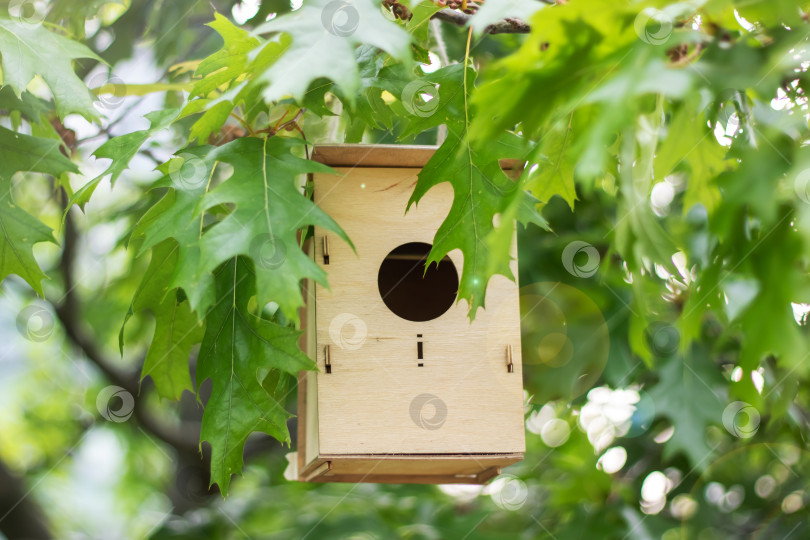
[
  {"x": 70, "y": 316},
  {"x": 506, "y": 26},
  {"x": 192, "y": 479},
  {"x": 20, "y": 516}
]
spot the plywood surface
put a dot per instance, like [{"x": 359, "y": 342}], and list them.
[
  {"x": 384, "y": 155},
  {"x": 470, "y": 403},
  {"x": 471, "y": 469},
  {"x": 308, "y": 380},
  {"x": 373, "y": 155}
]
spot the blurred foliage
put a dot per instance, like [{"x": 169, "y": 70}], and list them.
[{"x": 663, "y": 267}]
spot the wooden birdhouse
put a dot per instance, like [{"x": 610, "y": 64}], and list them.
[{"x": 408, "y": 390}]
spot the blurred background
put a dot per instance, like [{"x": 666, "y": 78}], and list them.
[{"x": 618, "y": 445}]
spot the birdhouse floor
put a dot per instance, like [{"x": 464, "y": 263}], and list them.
[{"x": 412, "y": 469}]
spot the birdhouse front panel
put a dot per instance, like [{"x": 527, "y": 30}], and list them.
[{"x": 406, "y": 384}]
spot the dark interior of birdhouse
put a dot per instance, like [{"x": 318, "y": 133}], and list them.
[{"x": 411, "y": 292}]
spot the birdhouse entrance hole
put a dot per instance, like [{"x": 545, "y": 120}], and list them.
[{"x": 411, "y": 292}]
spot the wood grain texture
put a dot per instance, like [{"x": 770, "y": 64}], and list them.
[
  {"x": 379, "y": 416},
  {"x": 384, "y": 155},
  {"x": 377, "y": 400},
  {"x": 473, "y": 469},
  {"x": 308, "y": 380},
  {"x": 307, "y": 344},
  {"x": 373, "y": 155}
]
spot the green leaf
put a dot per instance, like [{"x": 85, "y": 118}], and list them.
[
  {"x": 690, "y": 141},
  {"x": 640, "y": 238},
  {"x": 755, "y": 180},
  {"x": 481, "y": 189},
  {"x": 270, "y": 210},
  {"x": 239, "y": 353},
  {"x": 579, "y": 53},
  {"x": 270, "y": 7},
  {"x": 228, "y": 78},
  {"x": 176, "y": 332},
  {"x": 227, "y": 64},
  {"x": 20, "y": 152},
  {"x": 176, "y": 327},
  {"x": 33, "y": 108},
  {"x": 555, "y": 174},
  {"x": 772, "y": 12},
  {"x": 419, "y": 25},
  {"x": 211, "y": 121},
  {"x": 685, "y": 394},
  {"x": 324, "y": 34},
  {"x": 572, "y": 48},
  {"x": 29, "y": 50},
  {"x": 377, "y": 74},
  {"x": 121, "y": 150},
  {"x": 175, "y": 216},
  {"x": 19, "y": 231},
  {"x": 776, "y": 262}
]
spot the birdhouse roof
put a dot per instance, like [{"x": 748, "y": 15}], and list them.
[{"x": 383, "y": 155}]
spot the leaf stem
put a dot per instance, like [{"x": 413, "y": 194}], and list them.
[
  {"x": 283, "y": 116},
  {"x": 243, "y": 122}
]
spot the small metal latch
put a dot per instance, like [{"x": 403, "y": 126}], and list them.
[
  {"x": 327, "y": 358},
  {"x": 510, "y": 367},
  {"x": 325, "y": 250}
]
